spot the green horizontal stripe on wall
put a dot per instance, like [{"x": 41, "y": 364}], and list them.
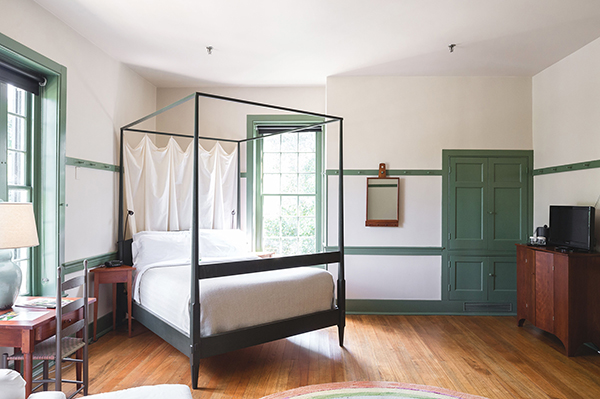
[
  {"x": 82, "y": 163},
  {"x": 390, "y": 172},
  {"x": 567, "y": 168},
  {"x": 393, "y": 251},
  {"x": 93, "y": 261}
]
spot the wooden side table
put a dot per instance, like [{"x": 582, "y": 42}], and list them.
[{"x": 114, "y": 275}]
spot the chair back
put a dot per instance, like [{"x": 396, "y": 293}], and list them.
[{"x": 63, "y": 308}]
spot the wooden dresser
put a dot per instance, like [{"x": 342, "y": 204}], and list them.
[{"x": 560, "y": 293}]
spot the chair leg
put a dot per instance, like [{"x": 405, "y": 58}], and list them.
[
  {"x": 58, "y": 373},
  {"x": 79, "y": 367},
  {"x": 45, "y": 373},
  {"x": 85, "y": 371}
]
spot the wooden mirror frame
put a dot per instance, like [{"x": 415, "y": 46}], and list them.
[{"x": 384, "y": 182}]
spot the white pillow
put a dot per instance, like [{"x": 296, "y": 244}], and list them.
[
  {"x": 161, "y": 247},
  {"x": 222, "y": 243}
]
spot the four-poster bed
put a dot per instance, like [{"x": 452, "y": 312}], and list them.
[{"x": 193, "y": 343}]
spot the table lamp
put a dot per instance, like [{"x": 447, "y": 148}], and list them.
[{"x": 17, "y": 230}]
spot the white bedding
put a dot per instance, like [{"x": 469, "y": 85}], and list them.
[
  {"x": 162, "y": 283},
  {"x": 233, "y": 302}
]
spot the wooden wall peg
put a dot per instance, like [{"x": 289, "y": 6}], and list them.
[{"x": 382, "y": 171}]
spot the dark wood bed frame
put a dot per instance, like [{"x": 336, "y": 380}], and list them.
[{"x": 191, "y": 343}]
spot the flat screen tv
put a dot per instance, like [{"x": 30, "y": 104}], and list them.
[{"x": 572, "y": 227}]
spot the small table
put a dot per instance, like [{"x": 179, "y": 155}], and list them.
[
  {"x": 114, "y": 275},
  {"x": 31, "y": 327}
]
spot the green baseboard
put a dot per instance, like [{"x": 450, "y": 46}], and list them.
[{"x": 418, "y": 307}]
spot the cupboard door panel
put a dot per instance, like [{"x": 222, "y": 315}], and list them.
[
  {"x": 525, "y": 284},
  {"x": 466, "y": 278},
  {"x": 502, "y": 279},
  {"x": 467, "y": 220},
  {"x": 507, "y": 202},
  {"x": 544, "y": 291}
]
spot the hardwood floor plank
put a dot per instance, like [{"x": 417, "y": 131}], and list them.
[{"x": 486, "y": 356}]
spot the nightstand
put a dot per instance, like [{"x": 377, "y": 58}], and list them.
[{"x": 114, "y": 275}]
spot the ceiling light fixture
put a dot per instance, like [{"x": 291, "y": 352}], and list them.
[
  {"x": 451, "y": 47},
  {"x": 209, "y": 49}
]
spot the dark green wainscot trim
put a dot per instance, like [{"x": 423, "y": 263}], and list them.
[
  {"x": 567, "y": 168},
  {"x": 390, "y": 172},
  {"x": 93, "y": 261},
  {"x": 82, "y": 163},
  {"x": 390, "y": 251},
  {"x": 104, "y": 326},
  {"x": 402, "y": 307}
]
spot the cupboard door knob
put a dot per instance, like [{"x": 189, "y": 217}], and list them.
[{"x": 492, "y": 275}]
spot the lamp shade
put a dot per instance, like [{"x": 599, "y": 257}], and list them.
[{"x": 17, "y": 225}]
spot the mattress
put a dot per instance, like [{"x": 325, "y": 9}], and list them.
[{"x": 233, "y": 302}]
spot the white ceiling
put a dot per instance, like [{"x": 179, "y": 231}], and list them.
[{"x": 302, "y": 42}]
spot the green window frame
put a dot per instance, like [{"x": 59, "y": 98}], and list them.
[
  {"x": 47, "y": 161},
  {"x": 287, "y": 215},
  {"x": 17, "y": 108}
]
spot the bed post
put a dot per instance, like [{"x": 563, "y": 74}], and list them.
[
  {"x": 341, "y": 273},
  {"x": 195, "y": 269},
  {"x": 239, "y": 186},
  {"x": 120, "y": 233}
]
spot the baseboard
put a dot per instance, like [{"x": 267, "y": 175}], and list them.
[{"x": 419, "y": 307}]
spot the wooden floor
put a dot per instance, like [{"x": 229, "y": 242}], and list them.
[{"x": 486, "y": 356}]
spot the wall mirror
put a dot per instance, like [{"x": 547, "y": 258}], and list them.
[{"x": 383, "y": 195}]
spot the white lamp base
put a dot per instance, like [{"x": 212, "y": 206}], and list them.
[{"x": 10, "y": 279}]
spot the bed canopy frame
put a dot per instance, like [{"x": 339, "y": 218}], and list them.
[{"x": 195, "y": 346}]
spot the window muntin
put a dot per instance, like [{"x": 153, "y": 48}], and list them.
[{"x": 288, "y": 193}]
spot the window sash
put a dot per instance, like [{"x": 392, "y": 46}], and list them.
[
  {"x": 261, "y": 217},
  {"x": 17, "y": 143}
]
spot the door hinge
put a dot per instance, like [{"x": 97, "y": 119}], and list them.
[
  {"x": 449, "y": 289},
  {"x": 449, "y": 169},
  {"x": 449, "y": 265},
  {"x": 449, "y": 236}
]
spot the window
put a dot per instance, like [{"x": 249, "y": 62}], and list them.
[
  {"x": 288, "y": 190},
  {"x": 32, "y": 155},
  {"x": 16, "y": 107}
]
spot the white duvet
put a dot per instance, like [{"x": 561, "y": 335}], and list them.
[{"x": 232, "y": 302}]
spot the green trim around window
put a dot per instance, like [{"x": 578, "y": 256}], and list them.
[
  {"x": 253, "y": 171},
  {"x": 82, "y": 163},
  {"x": 567, "y": 168},
  {"x": 390, "y": 172},
  {"x": 49, "y": 182}
]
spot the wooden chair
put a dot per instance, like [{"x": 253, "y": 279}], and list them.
[{"x": 67, "y": 341}]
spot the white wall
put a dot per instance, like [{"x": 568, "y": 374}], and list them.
[
  {"x": 566, "y": 121},
  {"x": 102, "y": 95},
  {"x": 406, "y": 122}
]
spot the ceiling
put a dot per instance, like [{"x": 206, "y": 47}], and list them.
[{"x": 302, "y": 42}]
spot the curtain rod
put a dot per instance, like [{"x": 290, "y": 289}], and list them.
[{"x": 179, "y": 135}]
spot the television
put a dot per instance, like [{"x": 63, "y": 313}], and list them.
[{"x": 572, "y": 227}]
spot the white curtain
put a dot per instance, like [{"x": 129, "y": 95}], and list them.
[{"x": 158, "y": 187}]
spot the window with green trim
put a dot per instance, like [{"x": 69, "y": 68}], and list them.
[
  {"x": 288, "y": 190},
  {"x": 16, "y": 114},
  {"x": 32, "y": 155}
]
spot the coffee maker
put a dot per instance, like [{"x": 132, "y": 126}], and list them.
[{"x": 539, "y": 236}]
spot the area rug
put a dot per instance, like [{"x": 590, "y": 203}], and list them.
[{"x": 370, "y": 390}]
